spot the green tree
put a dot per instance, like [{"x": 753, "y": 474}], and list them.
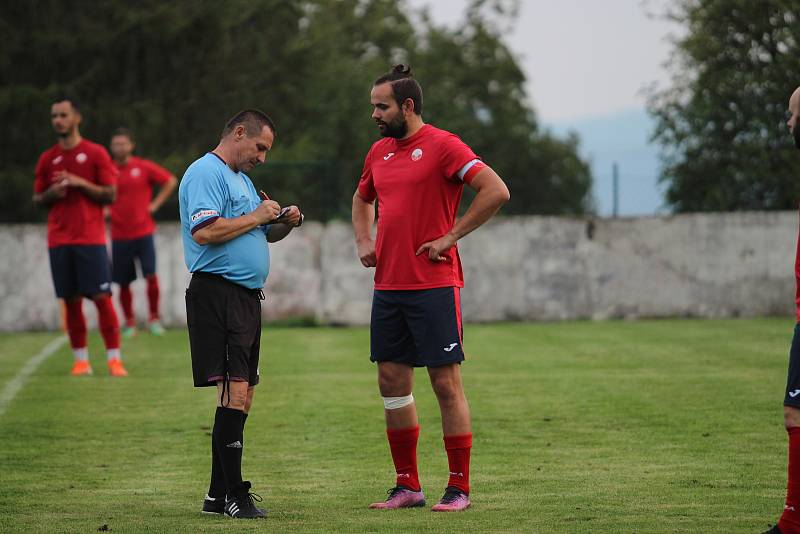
[
  {"x": 174, "y": 71},
  {"x": 722, "y": 121}
]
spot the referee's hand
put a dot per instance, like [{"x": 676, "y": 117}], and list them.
[
  {"x": 267, "y": 211},
  {"x": 292, "y": 217}
]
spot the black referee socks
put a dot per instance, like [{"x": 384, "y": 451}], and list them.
[
  {"x": 228, "y": 439},
  {"x": 217, "y": 487}
]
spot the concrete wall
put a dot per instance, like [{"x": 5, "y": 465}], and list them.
[{"x": 516, "y": 268}]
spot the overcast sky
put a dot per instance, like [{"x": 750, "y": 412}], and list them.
[
  {"x": 587, "y": 63},
  {"x": 583, "y": 58}
]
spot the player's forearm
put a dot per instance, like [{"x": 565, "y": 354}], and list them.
[
  {"x": 222, "y": 230},
  {"x": 163, "y": 194},
  {"x": 363, "y": 216},
  {"x": 45, "y": 199},
  {"x": 487, "y": 201},
  {"x": 102, "y": 194}
]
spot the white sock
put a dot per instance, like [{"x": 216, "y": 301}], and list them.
[
  {"x": 113, "y": 354},
  {"x": 81, "y": 354}
]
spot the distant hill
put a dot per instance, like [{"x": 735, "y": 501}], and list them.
[{"x": 621, "y": 137}]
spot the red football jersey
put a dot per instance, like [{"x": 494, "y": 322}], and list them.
[
  {"x": 797, "y": 278},
  {"x": 130, "y": 213},
  {"x": 76, "y": 219},
  {"x": 418, "y": 187}
]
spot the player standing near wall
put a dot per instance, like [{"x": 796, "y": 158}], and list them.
[
  {"x": 75, "y": 178},
  {"x": 417, "y": 173},
  {"x": 132, "y": 226}
]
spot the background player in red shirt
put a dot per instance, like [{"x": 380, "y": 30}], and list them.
[
  {"x": 132, "y": 226},
  {"x": 417, "y": 173},
  {"x": 789, "y": 522},
  {"x": 75, "y": 178}
]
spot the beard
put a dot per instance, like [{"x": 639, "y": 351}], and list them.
[
  {"x": 796, "y": 136},
  {"x": 64, "y": 133},
  {"x": 396, "y": 128}
]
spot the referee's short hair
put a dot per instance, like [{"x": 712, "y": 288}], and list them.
[
  {"x": 253, "y": 121},
  {"x": 404, "y": 86}
]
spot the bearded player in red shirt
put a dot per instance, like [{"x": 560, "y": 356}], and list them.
[
  {"x": 417, "y": 173},
  {"x": 132, "y": 226},
  {"x": 74, "y": 179}
]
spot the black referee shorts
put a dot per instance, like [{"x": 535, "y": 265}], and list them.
[{"x": 224, "y": 321}]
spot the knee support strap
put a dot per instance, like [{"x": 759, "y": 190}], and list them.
[{"x": 393, "y": 403}]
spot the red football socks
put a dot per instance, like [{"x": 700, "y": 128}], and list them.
[
  {"x": 789, "y": 522},
  {"x": 126, "y": 301},
  {"x": 403, "y": 444},
  {"x": 458, "y": 448},
  {"x": 152, "y": 296},
  {"x": 76, "y": 323},
  {"x": 109, "y": 325}
]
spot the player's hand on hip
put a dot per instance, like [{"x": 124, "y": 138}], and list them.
[
  {"x": 435, "y": 248},
  {"x": 366, "y": 253},
  {"x": 267, "y": 211}
]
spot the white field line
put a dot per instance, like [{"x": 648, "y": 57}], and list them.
[{"x": 18, "y": 382}]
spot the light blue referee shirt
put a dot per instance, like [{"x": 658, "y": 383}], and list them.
[{"x": 209, "y": 190}]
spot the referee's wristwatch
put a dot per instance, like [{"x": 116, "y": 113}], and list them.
[{"x": 302, "y": 218}]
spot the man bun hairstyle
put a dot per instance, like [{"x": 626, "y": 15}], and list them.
[
  {"x": 253, "y": 121},
  {"x": 404, "y": 86}
]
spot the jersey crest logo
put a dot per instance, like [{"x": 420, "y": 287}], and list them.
[
  {"x": 416, "y": 155},
  {"x": 58, "y": 159},
  {"x": 135, "y": 172},
  {"x": 387, "y": 156},
  {"x": 81, "y": 158}
]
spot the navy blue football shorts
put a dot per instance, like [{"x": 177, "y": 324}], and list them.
[
  {"x": 792, "y": 395},
  {"x": 80, "y": 270},
  {"x": 421, "y": 328},
  {"x": 123, "y": 254}
]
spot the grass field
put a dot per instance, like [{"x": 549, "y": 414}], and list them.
[{"x": 619, "y": 427}]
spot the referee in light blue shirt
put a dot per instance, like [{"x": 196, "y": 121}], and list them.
[{"x": 225, "y": 228}]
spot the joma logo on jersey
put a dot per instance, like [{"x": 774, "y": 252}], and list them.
[{"x": 387, "y": 156}]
